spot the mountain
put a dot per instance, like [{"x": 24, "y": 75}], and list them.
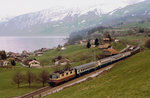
[
  {"x": 62, "y": 21},
  {"x": 131, "y": 13},
  {"x": 51, "y": 22}
]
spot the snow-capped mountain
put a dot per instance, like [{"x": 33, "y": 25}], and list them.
[
  {"x": 51, "y": 22},
  {"x": 63, "y": 21},
  {"x": 131, "y": 13}
]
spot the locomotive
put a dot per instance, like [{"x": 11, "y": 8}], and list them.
[{"x": 60, "y": 77}]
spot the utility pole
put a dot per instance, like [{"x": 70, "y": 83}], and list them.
[
  {"x": 140, "y": 44},
  {"x": 94, "y": 55}
]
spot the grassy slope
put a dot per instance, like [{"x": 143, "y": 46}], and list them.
[
  {"x": 73, "y": 52},
  {"x": 118, "y": 46},
  {"x": 128, "y": 79}
]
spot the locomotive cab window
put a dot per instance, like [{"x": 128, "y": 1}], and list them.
[{"x": 54, "y": 76}]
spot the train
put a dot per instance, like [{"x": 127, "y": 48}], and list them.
[{"x": 57, "y": 78}]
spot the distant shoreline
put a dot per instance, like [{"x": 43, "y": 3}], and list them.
[
  {"x": 34, "y": 36},
  {"x": 17, "y": 44}
]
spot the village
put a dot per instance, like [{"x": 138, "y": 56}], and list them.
[{"x": 10, "y": 59}]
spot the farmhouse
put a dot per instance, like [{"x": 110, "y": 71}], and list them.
[
  {"x": 34, "y": 63},
  {"x": 82, "y": 42},
  {"x": 61, "y": 61},
  {"x": 4, "y": 63},
  {"x": 39, "y": 53},
  {"x": 106, "y": 40}
]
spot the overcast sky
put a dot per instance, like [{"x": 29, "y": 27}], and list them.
[{"x": 17, "y": 7}]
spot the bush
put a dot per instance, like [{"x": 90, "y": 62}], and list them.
[{"x": 3, "y": 55}]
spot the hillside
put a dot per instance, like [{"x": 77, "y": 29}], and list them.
[
  {"x": 131, "y": 13},
  {"x": 128, "y": 79}
]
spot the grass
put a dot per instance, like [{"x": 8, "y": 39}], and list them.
[
  {"x": 9, "y": 89},
  {"x": 128, "y": 79},
  {"x": 74, "y": 52},
  {"x": 118, "y": 46},
  {"x": 134, "y": 40}
]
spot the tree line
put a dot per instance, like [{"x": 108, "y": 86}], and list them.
[{"x": 29, "y": 77}]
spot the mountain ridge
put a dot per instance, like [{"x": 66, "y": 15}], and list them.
[{"x": 64, "y": 21}]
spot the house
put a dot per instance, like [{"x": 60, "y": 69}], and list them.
[
  {"x": 34, "y": 63},
  {"x": 39, "y": 53},
  {"x": 4, "y": 63},
  {"x": 92, "y": 42},
  {"x": 92, "y": 46},
  {"x": 111, "y": 51},
  {"x": 105, "y": 46},
  {"x": 83, "y": 42},
  {"x": 106, "y": 40},
  {"x": 63, "y": 48},
  {"x": 62, "y": 61},
  {"x": 116, "y": 40},
  {"x": 44, "y": 49}
]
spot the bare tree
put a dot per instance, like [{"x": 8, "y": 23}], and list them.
[
  {"x": 30, "y": 77},
  {"x": 43, "y": 77},
  {"x": 147, "y": 44},
  {"x": 17, "y": 78},
  {"x": 67, "y": 66}
]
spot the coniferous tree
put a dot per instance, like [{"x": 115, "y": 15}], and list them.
[
  {"x": 96, "y": 42},
  {"x": 88, "y": 45},
  {"x": 13, "y": 63}
]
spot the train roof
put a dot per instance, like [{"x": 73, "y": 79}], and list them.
[
  {"x": 62, "y": 71},
  {"x": 105, "y": 59},
  {"x": 85, "y": 65}
]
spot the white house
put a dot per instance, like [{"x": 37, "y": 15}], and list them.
[
  {"x": 34, "y": 63},
  {"x": 63, "y": 48},
  {"x": 4, "y": 63}
]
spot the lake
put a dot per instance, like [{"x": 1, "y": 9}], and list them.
[{"x": 18, "y": 44}]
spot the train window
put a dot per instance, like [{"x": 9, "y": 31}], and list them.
[
  {"x": 67, "y": 73},
  {"x": 50, "y": 76},
  {"x": 70, "y": 72},
  {"x": 62, "y": 75}
]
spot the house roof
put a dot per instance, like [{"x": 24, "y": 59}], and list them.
[
  {"x": 86, "y": 65},
  {"x": 112, "y": 51},
  {"x": 106, "y": 39},
  {"x": 34, "y": 61},
  {"x": 104, "y": 46}
]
